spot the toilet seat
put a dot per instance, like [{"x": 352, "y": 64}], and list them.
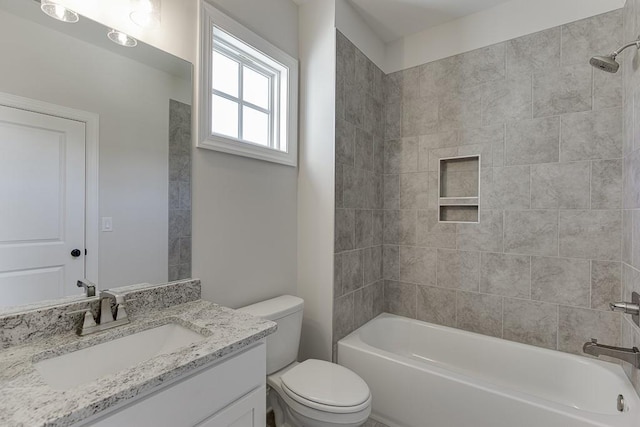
[{"x": 326, "y": 387}]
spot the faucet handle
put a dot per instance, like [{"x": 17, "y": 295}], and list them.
[
  {"x": 106, "y": 315},
  {"x": 594, "y": 341},
  {"x": 117, "y": 297},
  {"x": 121, "y": 312},
  {"x": 88, "y": 320}
]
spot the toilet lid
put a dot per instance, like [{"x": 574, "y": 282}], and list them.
[{"x": 326, "y": 383}]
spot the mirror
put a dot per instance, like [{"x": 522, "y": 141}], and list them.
[{"x": 95, "y": 163}]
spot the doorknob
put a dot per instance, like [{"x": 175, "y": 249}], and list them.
[{"x": 76, "y": 253}]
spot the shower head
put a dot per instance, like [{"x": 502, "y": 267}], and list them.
[
  {"x": 608, "y": 63},
  {"x": 605, "y": 63}
]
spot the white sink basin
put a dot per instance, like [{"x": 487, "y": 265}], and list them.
[{"x": 83, "y": 366}]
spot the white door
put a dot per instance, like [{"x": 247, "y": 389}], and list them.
[{"x": 42, "y": 206}]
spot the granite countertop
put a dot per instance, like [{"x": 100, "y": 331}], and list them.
[{"x": 26, "y": 400}]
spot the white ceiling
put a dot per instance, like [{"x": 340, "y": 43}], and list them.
[{"x": 393, "y": 19}]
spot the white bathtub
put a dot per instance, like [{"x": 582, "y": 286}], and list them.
[{"x": 424, "y": 375}]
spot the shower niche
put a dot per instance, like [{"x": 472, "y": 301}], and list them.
[{"x": 459, "y": 189}]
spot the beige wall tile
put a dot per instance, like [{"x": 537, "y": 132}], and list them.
[
  {"x": 480, "y": 313},
  {"x": 532, "y": 232},
  {"x": 532, "y": 141},
  {"x": 590, "y": 234},
  {"x": 507, "y": 275},
  {"x": 458, "y": 269},
  {"x": 400, "y": 298},
  {"x": 561, "y": 281},
  {"x": 437, "y": 305},
  {"x": 531, "y": 322}
]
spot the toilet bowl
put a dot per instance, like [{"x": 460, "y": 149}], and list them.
[
  {"x": 313, "y": 393},
  {"x": 316, "y": 393}
]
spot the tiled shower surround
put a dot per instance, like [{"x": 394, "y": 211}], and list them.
[
  {"x": 630, "y": 71},
  {"x": 545, "y": 259},
  {"x": 358, "y": 285},
  {"x": 547, "y": 256}
]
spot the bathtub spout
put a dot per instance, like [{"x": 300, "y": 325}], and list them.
[{"x": 629, "y": 355}]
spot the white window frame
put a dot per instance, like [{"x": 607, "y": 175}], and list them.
[{"x": 283, "y": 116}]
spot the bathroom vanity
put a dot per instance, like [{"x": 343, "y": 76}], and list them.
[
  {"x": 180, "y": 361},
  {"x": 229, "y": 392}
]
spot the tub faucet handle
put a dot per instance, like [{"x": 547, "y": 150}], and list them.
[{"x": 632, "y": 308}]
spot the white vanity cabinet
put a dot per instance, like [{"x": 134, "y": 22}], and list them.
[{"x": 229, "y": 392}]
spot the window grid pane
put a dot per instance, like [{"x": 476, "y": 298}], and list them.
[
  {"x": 256, "y": 88},
  {"x": 255, "y": 126},
  {"x": 225, "y": 74},
  {"x": 253, "y": 104},
  {"x": 225, "y": 120}
]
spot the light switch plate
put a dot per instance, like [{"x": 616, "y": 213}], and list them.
[{"x": 107, "y": 224}]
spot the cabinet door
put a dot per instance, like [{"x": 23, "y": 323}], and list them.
[
  {"x": 249, "y": 411},
  {"x": 196, "y": 397}
]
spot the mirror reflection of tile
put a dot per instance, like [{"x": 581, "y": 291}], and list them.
[{"x": 179, "y": 191}]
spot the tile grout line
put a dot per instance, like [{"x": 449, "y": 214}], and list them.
[
  {"x": 502, "y": 319},
  {"x": 531, "y": 278},
  {"x": 558, "y": 327},
  {"x": 591, "y": 284}
]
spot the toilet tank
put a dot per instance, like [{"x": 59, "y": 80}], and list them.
[{"x": 282, "y": 346}]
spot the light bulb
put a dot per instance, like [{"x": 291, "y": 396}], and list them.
[
  {"x": 146, "y": 13},
  {"x": 122, "y": 39},
  {"x": 145, "y": 6},
  {"x": 59, "y": 12}
]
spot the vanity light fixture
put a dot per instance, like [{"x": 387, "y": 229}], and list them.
[
  {"x": 146, "y": 13},
  {"x": 122, "y": 39},
  {"x": 59, "y": 12}
]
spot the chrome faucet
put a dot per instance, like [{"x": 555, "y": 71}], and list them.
[
  {"x": 89, "y": 287},
  {"x": 107, "y": 319},
  {"x": 121, "y": 311},
  {"x": 629, "y": 355}
]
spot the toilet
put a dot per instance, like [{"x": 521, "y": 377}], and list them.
[{"x": 313, "y": 393}]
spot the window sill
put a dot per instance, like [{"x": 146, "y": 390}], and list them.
[{"x": 231, "y": 146}]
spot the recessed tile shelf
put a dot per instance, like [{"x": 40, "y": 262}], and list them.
[
  {"x": 458, "y": 201},
  {"x": 459, "y": 189}
]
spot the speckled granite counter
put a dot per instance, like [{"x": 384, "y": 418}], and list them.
[{"x": 26, "y": 400}]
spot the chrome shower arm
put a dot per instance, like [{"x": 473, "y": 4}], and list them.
[{"x": 617, "y": 52}]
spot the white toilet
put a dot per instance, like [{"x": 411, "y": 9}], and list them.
[{"x": 313, "y": 393}]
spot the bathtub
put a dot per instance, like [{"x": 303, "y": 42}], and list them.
[{"x": 424, "y": 375}]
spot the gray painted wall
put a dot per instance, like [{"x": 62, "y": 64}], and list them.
[{"x": 245, "y": 210}]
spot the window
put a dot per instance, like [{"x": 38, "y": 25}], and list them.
[{"x": 249, "y": 93}]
